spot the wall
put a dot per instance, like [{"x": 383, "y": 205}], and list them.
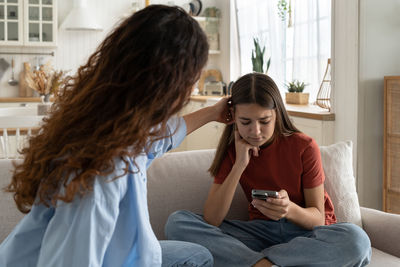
[
  {"x": 366, "y": 45},
  {"x": 379, "y": 56},
  {"x": 345, "y": 71},
  {"x": 74, "y": 47}
]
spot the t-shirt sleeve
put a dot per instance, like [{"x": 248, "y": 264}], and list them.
[
  {"x": 224, "y": 169},
  {"x": 313, "y": 173}
]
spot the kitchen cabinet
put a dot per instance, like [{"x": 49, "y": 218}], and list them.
[
  {"x": 207, "y": 136},
  {"x": 11, "y": 22},
  {"x": 28, "y": 23},
  {"x": 210, "y": 26},
  {"x": 321, "y": 131},
  {"x": 391, "y": 145}
]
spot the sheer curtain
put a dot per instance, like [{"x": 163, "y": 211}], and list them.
[
  {"x": 299, "y": 52},
  {"x": 310, "y": 43},
  {"x": 259, "y": 19}
]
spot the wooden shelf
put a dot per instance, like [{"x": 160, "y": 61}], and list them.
[{"x": 19, "y": 99}]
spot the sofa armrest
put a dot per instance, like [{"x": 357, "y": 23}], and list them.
[{"x": 383, "y": 229}]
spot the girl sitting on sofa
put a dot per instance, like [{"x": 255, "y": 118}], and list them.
[
  {"x": 83, "y": 177},
  {"x": 264, "y": 150}
]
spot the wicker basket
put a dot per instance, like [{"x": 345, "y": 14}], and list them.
[{"x": 297, "y": 98}]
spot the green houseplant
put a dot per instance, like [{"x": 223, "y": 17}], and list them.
[
  {"x": 295, "y": 93},
  {"x": 257, "y": 57}
]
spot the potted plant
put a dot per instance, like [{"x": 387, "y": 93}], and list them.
[
  {"x": 257, "y": 57},
  {"x": 47, "y": 82},
  {"x": 295, "y": 93}
]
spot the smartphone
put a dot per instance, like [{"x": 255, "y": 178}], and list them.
[{"x": 263, "y": 194}]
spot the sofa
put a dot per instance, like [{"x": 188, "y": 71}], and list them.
[{"x": 179, "y": 180}]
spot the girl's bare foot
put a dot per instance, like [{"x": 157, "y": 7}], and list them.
[{"x": 263, "y": 263}]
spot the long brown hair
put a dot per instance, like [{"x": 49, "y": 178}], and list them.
[
  {"x": 139, "y": 76},
  {"x": 254, "y": 88}
]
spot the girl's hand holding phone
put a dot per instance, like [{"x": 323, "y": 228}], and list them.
[{"x": 274, "y": 208}]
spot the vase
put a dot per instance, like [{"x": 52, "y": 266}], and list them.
[
  {"x": 44, "y": 107},
  {"x": 45, "y": 98},
  {"x": 297, "y": 98}
]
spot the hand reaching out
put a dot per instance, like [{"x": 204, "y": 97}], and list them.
[{"x": 222, "y": 111}]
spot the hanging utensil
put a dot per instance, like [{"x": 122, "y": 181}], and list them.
[
  {"x": 12, "y": 81},
  {"x": 3, "y": 67}
]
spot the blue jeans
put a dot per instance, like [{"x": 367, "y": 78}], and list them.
[
  {"x": 184, "y": 254},
  {"x": 243, "y": 243}
]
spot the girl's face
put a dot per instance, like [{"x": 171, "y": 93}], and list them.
[{"x": 255, "y": 123}]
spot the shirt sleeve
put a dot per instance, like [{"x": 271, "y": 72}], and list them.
[
  {"x": 79, "y": 232},
  {"x": 175, "y": 132},
  {"x": 313, "y": 173}
]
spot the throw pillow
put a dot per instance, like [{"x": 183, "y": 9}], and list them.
[{"x": 337, "y": 161}]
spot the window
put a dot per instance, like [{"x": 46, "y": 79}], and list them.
[{"x": 297, "y": 52}]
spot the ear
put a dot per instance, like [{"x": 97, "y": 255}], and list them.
[{"x": 232, "y": 111}]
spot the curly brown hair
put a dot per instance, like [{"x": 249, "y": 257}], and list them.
[{"x": 139, "y": 76}]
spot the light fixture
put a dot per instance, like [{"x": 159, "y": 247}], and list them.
[{"x": 80, "y": 18}]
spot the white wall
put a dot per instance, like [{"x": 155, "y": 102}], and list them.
[
  {"x": 74, "y": 47},
  {"x": 366, "y": 47},
  {"x": 379, "y": 56},
  {"x": 345, "y": 71}
]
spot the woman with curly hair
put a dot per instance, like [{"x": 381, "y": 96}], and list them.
[{"x": 82, "y": 181}]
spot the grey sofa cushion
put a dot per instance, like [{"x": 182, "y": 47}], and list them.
[
  {"x": 174, "y": 185},
  {"x": 380, "y": 258}
]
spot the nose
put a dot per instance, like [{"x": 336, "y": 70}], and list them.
[{"x": 255, "y": 129}]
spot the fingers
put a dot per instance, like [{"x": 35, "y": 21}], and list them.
[
  {"x": 255, "y": 150},
  {"x": 271, "y": 211},
  {"x": 274, "y": 208},
  {"x": 228, "y": 118},
  {"x": 223, "y": 112},
  {"x": 267, "y": 204}
]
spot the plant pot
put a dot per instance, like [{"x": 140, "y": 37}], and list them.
[
  {"x": 297, "y": 98},
  {"x": 43, "y": 108}
]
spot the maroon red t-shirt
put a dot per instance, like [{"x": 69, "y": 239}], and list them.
[{"x": 289, "y": 162}]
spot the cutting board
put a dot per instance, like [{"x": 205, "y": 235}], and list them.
[{"x": 24, "y": 89}]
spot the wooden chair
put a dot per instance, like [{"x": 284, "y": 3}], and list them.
[{"x": 15, "y": 131}]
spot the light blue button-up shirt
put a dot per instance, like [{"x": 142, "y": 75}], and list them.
[{"x": 107, "y": 227}]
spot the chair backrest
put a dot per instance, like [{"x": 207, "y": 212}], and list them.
[{"x": 14, "y": 132}]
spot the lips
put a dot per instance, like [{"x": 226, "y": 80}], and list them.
[{"x": 258, "y": 139}]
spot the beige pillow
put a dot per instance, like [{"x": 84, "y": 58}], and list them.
[{"x": 337, "y": 160}]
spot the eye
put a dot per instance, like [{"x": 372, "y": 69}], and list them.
[
  {"x": 264, "y": 122},
  {"x": 245, "y": 122}
]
